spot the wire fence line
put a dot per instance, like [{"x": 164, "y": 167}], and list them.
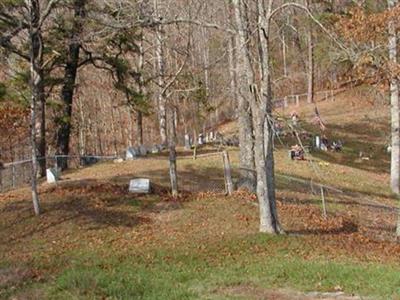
[
  {"x": 201, "y": 172},
  {"x": 19, "y": 173},
  {"x": 296, "y": 99}
]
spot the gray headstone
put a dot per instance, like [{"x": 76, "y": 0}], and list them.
[
  {"x": 132, "y": 153},
  {"x": 188, "y": 144},
  {"x": 140, "y": 186},
  {"x": 142, "y": 150},
  {"x": 155, "y": 149},
  {"x": 52, "y": 175}
]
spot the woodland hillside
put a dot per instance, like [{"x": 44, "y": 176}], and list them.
[{"x": 183, "y": 149}]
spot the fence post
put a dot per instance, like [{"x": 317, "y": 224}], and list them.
[
  {"x": 285, "y": 102},
  {"x": 13, "y": 176},
  {"x": 326, "y": 95},
  {"x": 332, "y": 96},
  {"x": 227, "y": 173},
  {"x": 194, "y": 152},
  {"x": 323, "y": 202},
  {"x": 297, "y": 100}
]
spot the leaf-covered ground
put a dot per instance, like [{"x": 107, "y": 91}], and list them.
[{"x": 96, "y": 241}]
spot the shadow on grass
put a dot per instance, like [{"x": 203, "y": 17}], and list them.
[
  {"x": 346, "y": 228},
  {"x": 88, "y": 203}
]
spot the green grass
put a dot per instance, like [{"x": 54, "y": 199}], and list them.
[
  {"x": 193, "y": 274},
  {"x": 190, "y": 273}
]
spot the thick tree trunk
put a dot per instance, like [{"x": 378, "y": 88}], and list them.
[
  {"x": 262, "y": 121},
  {"x": 395, "y": 113},
  {"x": 36, "y": 80},
  {"x": 67, "y": 92},
  {"x": 245, "y": 77}
]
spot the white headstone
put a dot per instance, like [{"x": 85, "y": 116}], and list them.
[
  {"x": 140, "y": 186},
  {"x": 201, "y": 139},
  {"x": 131, "y": 153},
  {"x": 318, "y": 142},
  {"x": 51, "y": 175}
]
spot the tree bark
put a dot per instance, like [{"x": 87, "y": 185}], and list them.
[
  {"x": 36, "y": 81},
  {"x": 245, "y": 77},
  {"x": 173, "y": 175},
  {"x": 162, "y": 102},
  {"x": 67, "y": 92},
  {"x": 261, "y": 106},
  {"x": 310, "y": 64},
  {"x": 394, "y": 101},
  {"x": 395, "y": 113}
]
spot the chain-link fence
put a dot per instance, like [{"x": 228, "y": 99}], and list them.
[{"x": 18, "y": 174}]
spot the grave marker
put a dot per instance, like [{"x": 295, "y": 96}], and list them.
[
  {"x": 52, "y": 175},
  {"x": 132, "y": 153},
  {"x": 139, "y": 186}
]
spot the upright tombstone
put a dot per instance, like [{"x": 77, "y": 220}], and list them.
[
  {"x": 155, "y": 149},
  {"x": 52, "y": 175},
  {"x": 131, "y": 153},
  {"x": 201, "y": 139},
  {"x": 142, "y": 150},
  {"x": 188, "y": 144},
  {"x": 139, "y": 186},
  {"x": 212, "y": 137},
  {"x": 317, "y": 142},
  {"x": 206, "y": 138}
]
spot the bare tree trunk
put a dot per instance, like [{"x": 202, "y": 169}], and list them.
[
  {"x": 284, "y": 55},
  {"x": 173, "y": 175},
  {"x": 245, "y": 77},
  {"x": 233, "y": 74},
  {"x": 162, "y": 102},
  {"x": 36, "y": 72},
  {"x": 139, "y": 127},
  {"x": 142, "y": 90},
  {"x": 395, "y": 117},
  {"x": 41, "y": 126},
  {"x": 262, "y": 112},
  {"x": 82, "y": 129},
  {"x": 310, "y": 64},
  {"x": 130, "y": 127}
]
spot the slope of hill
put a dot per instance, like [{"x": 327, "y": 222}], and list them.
[{"x": 94, "y": 240}]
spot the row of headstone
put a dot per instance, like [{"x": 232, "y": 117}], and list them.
[
  {"x": 141, "y": 151},
  {"x": 201, "y": 139}
]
